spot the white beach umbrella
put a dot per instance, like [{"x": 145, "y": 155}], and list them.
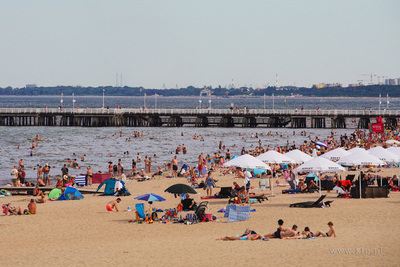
[
  {"x": 247, "y": 161},
  {"x": 384, "y": 154},
  {"x": 319, "y": 164},
  {"x": 298, "y": 156},
  {"x": 356, "y": 149},
  {"x": 392, "y": 142},
  {"x": 361, "y": 158},
  {"x": 274, "y": 157},
  {"x": 394, "y": 150},
  {"x": 336, "y": 154}
]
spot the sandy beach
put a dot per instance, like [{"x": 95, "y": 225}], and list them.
[{"x": 82, "y": 233}]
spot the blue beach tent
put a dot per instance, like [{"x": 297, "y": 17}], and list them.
[
  {"x": 110, "y": 186},
  {"x": 113, "y": 185},
  {"x": 71, "y": 193}
]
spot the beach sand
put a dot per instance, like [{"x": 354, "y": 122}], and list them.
[{"x": 82, "y": 233}]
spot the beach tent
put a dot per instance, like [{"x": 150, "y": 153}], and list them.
[
  {"x": 55, "y": 193},
  {"x": 110, "y": 186},
  {"x": 71, "y": 193}
]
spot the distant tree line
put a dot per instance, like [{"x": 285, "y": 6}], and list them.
[{"x": 360, "y": 91}]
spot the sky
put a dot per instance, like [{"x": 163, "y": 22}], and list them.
[{"x": 157, "y": 43}]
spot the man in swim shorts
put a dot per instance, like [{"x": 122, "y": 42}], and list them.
[
  {"x": 329, "y": 233},
  {"x": 277, "y": 233},
  {"x": 174, "y": 164},
  {"x": 113, "y": 204}
]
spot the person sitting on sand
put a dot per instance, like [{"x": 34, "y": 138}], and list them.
[
  {"x": 137, "y": 176},
  {"x": 301, "y": 184},
  {"x": 59, "y": 183},
  {"x": 142, "y": 173},
  {"x": 329, "y": 233},
  {"x": 13, "y": 210},
  {"x": 240, "y": 173},
  {"x": 236, "y": 187},
  {"x": 113, "y": 204},
  {"x": 243, "y": 195},
  {"x": 188, "y": 203},
  {"x": 31, "y": 208},
  {"x": 36, "y": 191},
  {"x": 42, "y": 198}
]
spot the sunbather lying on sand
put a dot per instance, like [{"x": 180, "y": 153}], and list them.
[
  {"x": 304, "y": 235},
  {"x": 282, "y": 232},
  {"x": 248, "y": 235}
]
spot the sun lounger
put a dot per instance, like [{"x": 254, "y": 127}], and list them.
[{"x": 310, "y": 204}]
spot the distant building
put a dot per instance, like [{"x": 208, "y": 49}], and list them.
[
  {"x": 319, "y": 85},
  {"x": 333, "y": 85},
  {"x": 33, "y": 85},
  {"x": 391, "y": 81}
]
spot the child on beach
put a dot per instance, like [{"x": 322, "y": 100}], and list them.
[{"x": 329, "y": 233}]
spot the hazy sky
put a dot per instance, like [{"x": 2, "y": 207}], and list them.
[{"x": 187, "y": 42}]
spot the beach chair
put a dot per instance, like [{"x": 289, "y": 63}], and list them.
[
  {"x": 140, "y": 215},
  {"x": 310, "y": 204},
  {"x": 225, "y": 192}
]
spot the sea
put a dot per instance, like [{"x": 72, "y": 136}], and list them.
[{"x": 103, "y": 145}]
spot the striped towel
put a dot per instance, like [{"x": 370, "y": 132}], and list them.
[{"x": 81, "y": 180}]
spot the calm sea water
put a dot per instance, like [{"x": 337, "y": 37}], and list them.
[{"x": 61, "y": 143}]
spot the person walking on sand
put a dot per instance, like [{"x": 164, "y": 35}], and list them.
[
  {"x": 329, "y": 233},
  {"x": 113, "y": 204}
]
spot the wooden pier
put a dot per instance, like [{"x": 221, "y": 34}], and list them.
[{"x": 268, "y": 118}]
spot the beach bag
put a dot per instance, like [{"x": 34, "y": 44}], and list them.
[{"x": 191, "y": 218}]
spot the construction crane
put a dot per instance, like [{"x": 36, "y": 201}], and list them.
[{"x": 370, "y": 75}]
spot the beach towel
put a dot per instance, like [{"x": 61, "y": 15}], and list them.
[{"x": 81, "y": 180}]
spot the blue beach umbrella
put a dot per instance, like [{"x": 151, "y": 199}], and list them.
[{"x": 150, "y": 197}]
